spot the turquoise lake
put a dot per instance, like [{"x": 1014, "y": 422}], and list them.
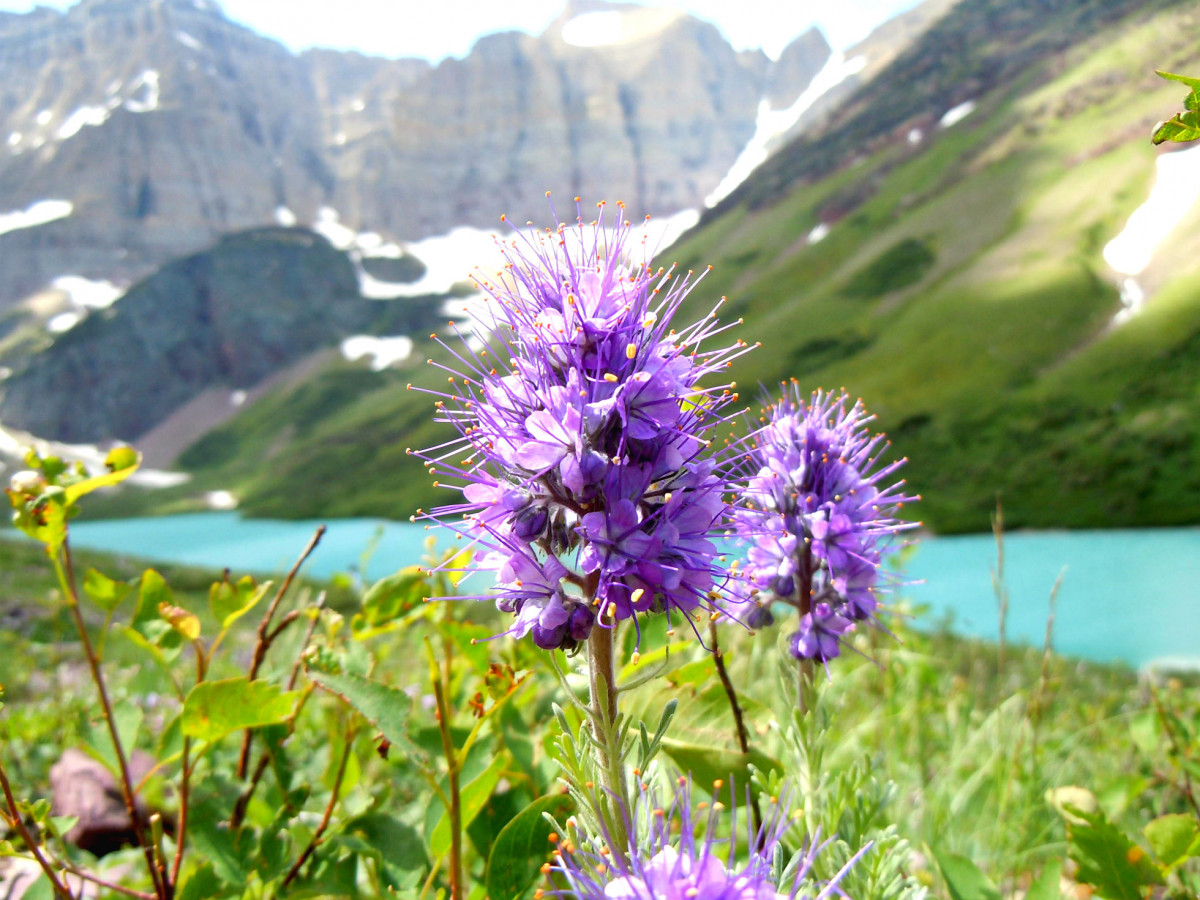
[{"x": 1131, "y": 596}]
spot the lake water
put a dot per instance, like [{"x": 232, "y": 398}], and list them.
[{"x": 1132, "y": 596}]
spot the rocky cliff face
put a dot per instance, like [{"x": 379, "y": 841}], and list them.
[{"x": 164, "y": 125}]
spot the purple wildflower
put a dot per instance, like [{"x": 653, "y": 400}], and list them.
[
  {"x": 820, "y": 513},
  {"x": 683, "y": 857},
  {"x": 584, "y": 433}
]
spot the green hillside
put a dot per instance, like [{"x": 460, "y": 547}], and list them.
[{"x": 960, "y": 291}]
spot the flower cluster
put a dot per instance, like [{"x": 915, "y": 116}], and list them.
[
  {"x": 584, "y": 432},
  {"x": 819, "y": 515},
  {"x": 685, "y": 857}
]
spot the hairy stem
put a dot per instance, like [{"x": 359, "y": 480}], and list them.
[{"x": 602, "y": 682}]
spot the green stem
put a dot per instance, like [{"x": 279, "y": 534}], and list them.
[{"x": 602, "y": 681}]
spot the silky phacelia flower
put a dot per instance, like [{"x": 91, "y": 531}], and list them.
[
  {"x": 819, "y": 515},
  {"x": 584, "y": 431},
  {"x": 682, "y": 856}
]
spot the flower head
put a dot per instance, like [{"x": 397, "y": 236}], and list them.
[
  {"x": 819, "y": 514},
  {"x": 584, "y": 433},
  {"x": 682, "y": 856}
]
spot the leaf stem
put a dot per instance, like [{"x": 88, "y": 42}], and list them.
[
  {"x": 738, "y": 719},
  {"x": 65, "y": 571},
  {"x": 19, "y": 824},
  {"x": 265, "y": 637},
  {"x": 328, "y": 815}
]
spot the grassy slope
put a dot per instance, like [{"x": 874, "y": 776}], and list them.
[{"x": 995, "y": 371}]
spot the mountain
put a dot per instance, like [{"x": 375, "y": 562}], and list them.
[
  {"x": 153, "y": 127},
  {"x": 938, "y": 246}
]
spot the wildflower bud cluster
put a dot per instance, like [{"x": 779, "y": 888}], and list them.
[
  {"x": 819, "y": 515},
  {"x": 584, "y": 433}
]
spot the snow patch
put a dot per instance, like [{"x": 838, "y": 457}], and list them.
[
  {"x": 44, "y": 116},
  {"x": 358, "y": 105},
  {"x": 329, "y": 226},
  {"x": 237, "y": 398},
  {"x": 818, "y": 234},
  {"x": 285, "y": 217},
  {"x": 14, "y": 138},
  {"x": 956, "y": 114},
  {"x": 340, "y": 138},
  {"x": 38, "y": 213},
  {"x": 64, "y": 321},
  {"x": 1133, "y": 298},
  {"x": 915, "y": 135},
  {"x": 80, "y": 119},
  {"x": 1176, "y": 190},
  {"x": 147, "y": 85},
  {"x": 772, "y": 123},
  {"x": 384, "y": 351},
  {"x": 84, "y": 293},
  {"x": 188, "y": 41}
]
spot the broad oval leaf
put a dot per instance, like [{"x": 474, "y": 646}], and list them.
[
  {"x": 103, "y": 591},
  {"x": 522, "y": 846},
  {"x": 213, "y": 709}
]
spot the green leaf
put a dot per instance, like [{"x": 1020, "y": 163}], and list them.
[
  {"x": 1109, "y": 861},
  {"x": 522, "y": 846},
  {"x": 964, "y": 879},
  {"x": 391, "y": 598},
  {"x": 1046, "y": 887},
  {"x": 385, "y": 707},
  {"x": 708, "y": 764},
  {"x": 472, "y": 797},
  {"x": 202, "y": 884},
  {"x": 215, "y": 708},
  {"x": 471, "y": 641},
  {"x": 399, "y": 844},
  {"x": 186, "y": 623},
  {"x": 1177, "y": 130},
  {"x": 121, "y": 461},
  {"x": 1172, "y": 838},
  {"x": 1193, "y": 83},
  {"x": 103, "y": 591},
  {"x": 230, "y": 600}
]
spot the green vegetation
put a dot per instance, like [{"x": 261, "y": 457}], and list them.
[{"x": 960, "y": 290}]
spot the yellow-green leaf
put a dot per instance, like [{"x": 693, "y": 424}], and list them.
[{"x": 213, "y": 709}]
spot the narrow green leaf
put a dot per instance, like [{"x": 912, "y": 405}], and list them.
[
  {"x": 522, "y": 846},
  {"x": 1171, "y": 838},
  {"x": 472, "y": 797},
  {"x": 385, "y": 707},
  {"x": 1193, "y": 83},
  {"x": 964, "y": 879},
  {"x": 215, "y": 708},
  {"x": 103, "y": 591}
]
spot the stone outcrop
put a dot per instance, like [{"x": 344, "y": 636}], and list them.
[{"x": 166, "y": 125}]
